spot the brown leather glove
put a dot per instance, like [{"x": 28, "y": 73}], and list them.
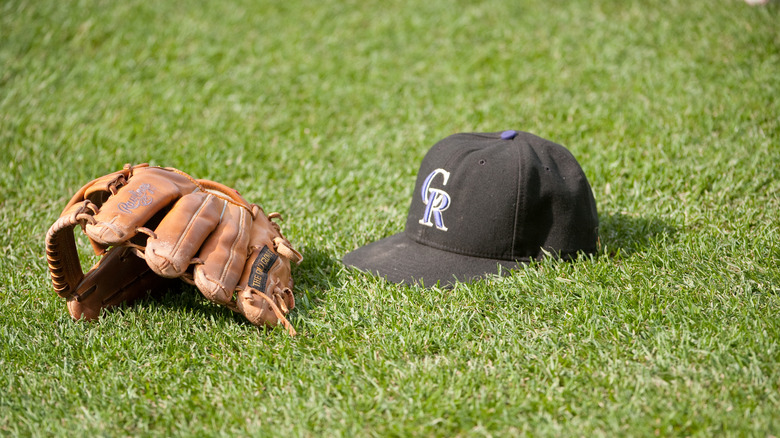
[{"x": 200, "y": 231}]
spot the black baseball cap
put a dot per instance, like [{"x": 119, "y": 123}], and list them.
[{"x": 484, "y": 200}]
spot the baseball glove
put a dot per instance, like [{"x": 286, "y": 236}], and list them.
[{"x": 152, "y": 224}]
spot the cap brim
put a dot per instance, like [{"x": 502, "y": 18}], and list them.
[{"x": 402, "y": 260}]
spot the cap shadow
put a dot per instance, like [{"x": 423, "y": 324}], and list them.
[{"x": 625, "y": 234}]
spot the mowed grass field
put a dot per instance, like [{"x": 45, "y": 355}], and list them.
[{"x": 322, "y": 111}]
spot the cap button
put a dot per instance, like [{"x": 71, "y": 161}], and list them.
[{"x": 508, "y": 135}]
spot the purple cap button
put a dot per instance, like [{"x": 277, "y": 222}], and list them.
[{"x": 508, "y": 135}]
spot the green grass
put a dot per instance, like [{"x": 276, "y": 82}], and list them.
[{"x": 323, "y": 111}]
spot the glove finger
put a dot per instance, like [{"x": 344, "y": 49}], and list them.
[
  {"x": 148, "y": 191},
  {"x": 270, "y": 306},
  {"x": 266, "y": 273},
  {"x": 224, "y": 254},
  {"x": 182, "y": 232}
]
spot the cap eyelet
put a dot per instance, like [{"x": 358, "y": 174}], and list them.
[{"x": 482, "y": 162}]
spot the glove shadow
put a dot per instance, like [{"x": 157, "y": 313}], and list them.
[{"x": 313, "y": 278}]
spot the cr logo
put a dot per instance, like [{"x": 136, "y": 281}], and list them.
[{"x": 435, "y": 200}]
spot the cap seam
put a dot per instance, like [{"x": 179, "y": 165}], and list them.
[{"x": 518, "y": 199}]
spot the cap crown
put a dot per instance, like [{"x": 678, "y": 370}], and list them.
[{"x": 505, "y": 196}]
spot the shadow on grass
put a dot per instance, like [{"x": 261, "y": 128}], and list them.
[
  {"x": 177, "y": 296},
  {"x": 625, "y": 234},
  {"x": 621, "y": 234},
  {"x": 313, "y": 277}
]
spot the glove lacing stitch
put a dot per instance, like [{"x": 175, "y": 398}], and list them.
[{"x": 81, "y": 216}]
